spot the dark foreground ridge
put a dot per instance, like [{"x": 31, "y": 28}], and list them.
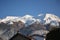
[{"x": 53, "y": 34}]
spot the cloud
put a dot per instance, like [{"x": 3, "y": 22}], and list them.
[{"x": 40, "y": 14}]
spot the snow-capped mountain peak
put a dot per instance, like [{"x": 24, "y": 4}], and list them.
[
  {"x": 10, "y": 19},
  {"x": 51, "y": 17},
  {"x": 25, "y": 19},
  {"x": 28, "y": 19}
]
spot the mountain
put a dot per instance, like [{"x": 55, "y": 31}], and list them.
[
  {"x": 52, "y": 19},
  {"x": 27, "y": 25},
  {"x": 27, "y": 19}
]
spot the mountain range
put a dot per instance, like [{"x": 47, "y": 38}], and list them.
[
  {"x": 27, "y": 25},
  {"x": 28, "y": 19}
]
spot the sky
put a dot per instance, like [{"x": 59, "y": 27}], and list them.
[{"x": 31, "y": 7}]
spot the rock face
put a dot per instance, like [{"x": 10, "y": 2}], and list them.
[
  {"x": 37, "y": 26},
  {"x": 38, "y": 34},
  {"x": 31, "y": 28},
  {"x": 51, "y": 27},
  {"x": 8, "y": 31},
  {"x": 3, "y": 27}
]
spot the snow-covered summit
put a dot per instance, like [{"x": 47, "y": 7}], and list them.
[
  {"x": 28, "y": 19},
  {"x": 25, "y": 19},
  {"x": 51, "y": 17},
  {"x": 9, "y": 19}
]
